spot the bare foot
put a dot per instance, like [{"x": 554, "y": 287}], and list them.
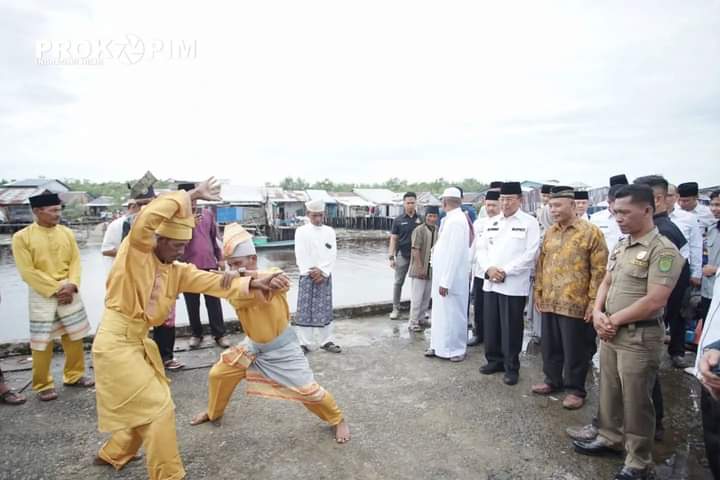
[
  {"x": 200, "y": 418},
  {"x": 204, "y": 417},
  {"x": 342, "y": 432}
]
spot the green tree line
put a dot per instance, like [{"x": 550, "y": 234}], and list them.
[{"x": 395, "y": 184}]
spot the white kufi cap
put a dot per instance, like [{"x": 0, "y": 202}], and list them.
[
  {"x": 315, "y": 206},
  {"x": 451, "y": 192}
]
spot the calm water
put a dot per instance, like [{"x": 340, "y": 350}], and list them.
[{"x": 361, "y": 275}]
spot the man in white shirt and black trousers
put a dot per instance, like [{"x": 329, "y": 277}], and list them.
[{"x": 505, "y": 258}]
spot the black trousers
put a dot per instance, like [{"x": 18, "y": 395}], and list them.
[
  {"x": 704, "y": 308},
  {"x": 478, "y": 294},
  {"x": 214, "y": 310},
  {"x": 711, "y": 431},
  {"x": 503, "y": 327},
  {"x": 568, "y": 345},
  {"x": 165, "y": 339},
  {"x": 673, "y": 318}
]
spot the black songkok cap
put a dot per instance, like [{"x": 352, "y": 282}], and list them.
[
  {"x": 496, "y": 184},
  {"x": 45, "y": 200},
  {"x": 492, "y": 195},
  {"x": 582, "y": 195},
  {"x": 430, "y": 209},
  {"x": 619, "y": 180},
  {"x": 546, "y": 188},
  {"x": 689, "y": 189},
  {"x": 562, "y": 191},
  {"x": 511, "y": 188},
  {"x": 187, "y": 186}
]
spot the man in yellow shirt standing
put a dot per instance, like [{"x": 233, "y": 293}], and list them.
[
  {"x": 270, "y": 358},
  {"x": 48, "y": 259},
  {"x": 133, "y": 395}
]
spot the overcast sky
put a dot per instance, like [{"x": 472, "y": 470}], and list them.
[{"x": 363, "y": 91}]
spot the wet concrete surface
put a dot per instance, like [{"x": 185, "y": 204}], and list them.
[{"x": 411, "y": 418}]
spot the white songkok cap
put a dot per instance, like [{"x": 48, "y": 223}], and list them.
[
  {"x": 315, "y": 206},
  {"x": 452, "y": 192}
]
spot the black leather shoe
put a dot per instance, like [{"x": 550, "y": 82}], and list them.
[
  {"x": 511, "y": 378},
  {"x": 628, "y": 473},
  {"x": 595, "y": 448},
  {"x": 490, "y": 368}
]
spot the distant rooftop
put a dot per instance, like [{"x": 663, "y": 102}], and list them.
[{"x": 33, "y": 183}]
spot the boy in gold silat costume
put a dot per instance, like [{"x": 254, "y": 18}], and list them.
[{"x": 270, "y": 358}]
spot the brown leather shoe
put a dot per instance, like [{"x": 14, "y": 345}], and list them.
[
  {"x": 194, "y": 342},
  {"x": 542, "y": 389},
  {"x": 573, "y": 402},
  {"x": 222, "y": 342}
]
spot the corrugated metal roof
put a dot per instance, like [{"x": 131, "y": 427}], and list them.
[
  {"x": 18, "y": 196},
  {"x": 278, "y": 195},
  {"x": 427, "y": 198},
  {"x": 379, "y": 196},
  {"x": 102, "y": 201},
  {"x": 321, "y": 195},
  {"x": 34, "y": 183},
  {"x": 351, "y": 200}
]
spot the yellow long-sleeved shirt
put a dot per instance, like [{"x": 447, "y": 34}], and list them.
[
  {"x": 263, "y": 322},
  {"x": 132, "y": 388},
  {"x": 46, "y": 257}
]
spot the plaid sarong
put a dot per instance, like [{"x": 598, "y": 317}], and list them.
[{"x": 49, "y": 320}]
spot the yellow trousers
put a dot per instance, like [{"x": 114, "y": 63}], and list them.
[
  {"x": 159, "y": 440},
  {"x": 74, "y": 364},
  {"x": 223, "y": 379}
]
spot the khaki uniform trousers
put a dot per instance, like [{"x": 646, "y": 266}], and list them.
[{"x": 629, "y": 365}]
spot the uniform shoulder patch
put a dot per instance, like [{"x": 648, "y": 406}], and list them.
[{"x": 665, "y": 263}]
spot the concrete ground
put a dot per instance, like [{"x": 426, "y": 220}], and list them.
[{"x": 411, "y": 418}]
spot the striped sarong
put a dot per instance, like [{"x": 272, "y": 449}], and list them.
[
  {"x": 49, "y": 320},
  {"x": 278, "y": 369}
]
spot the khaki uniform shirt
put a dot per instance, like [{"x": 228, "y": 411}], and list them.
[
  {"x": 424, "y": 239},
  {"x": 635, "y": 263}
]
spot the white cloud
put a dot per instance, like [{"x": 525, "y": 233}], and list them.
[{"x": 362, "y": 91}]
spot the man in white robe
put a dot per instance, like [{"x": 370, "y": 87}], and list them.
[
  {"x": 315, "y": 253},
  {"x": 450, "y": 282}
]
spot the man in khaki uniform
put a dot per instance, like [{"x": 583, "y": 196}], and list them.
[{"x": 642, "y": 271}]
